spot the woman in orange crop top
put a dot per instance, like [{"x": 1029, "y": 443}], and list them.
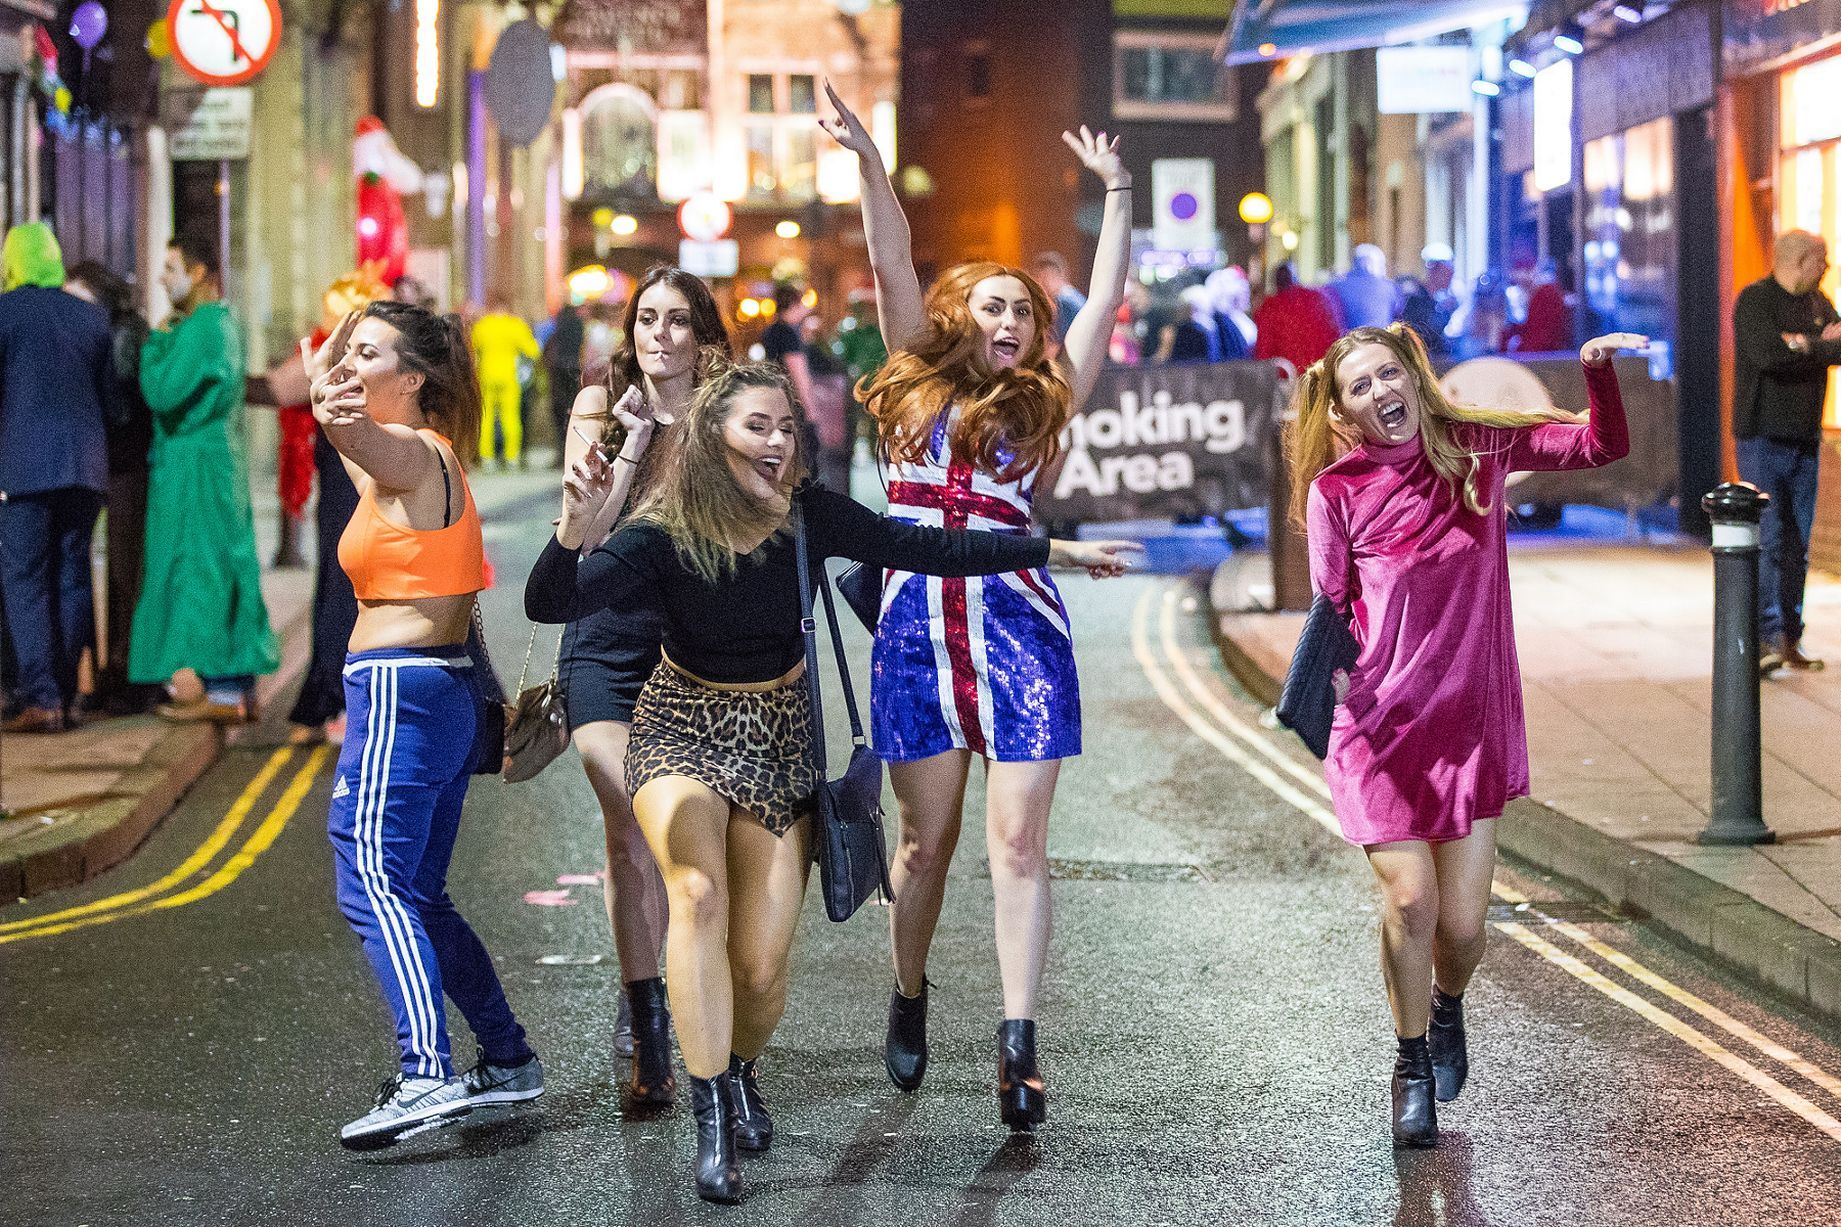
[{"x": 392, "y": 386}]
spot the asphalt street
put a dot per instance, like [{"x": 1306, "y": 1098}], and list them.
[{"x": 181, "y": 1038}]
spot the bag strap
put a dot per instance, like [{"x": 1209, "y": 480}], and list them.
[
  {"x": 809, "y": 628},
  {"x": 843, "y": 667}
]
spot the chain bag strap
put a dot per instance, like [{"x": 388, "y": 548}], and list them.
[
  {"x": 852, "y": 857},
  {"x": 537, "y": 724}
]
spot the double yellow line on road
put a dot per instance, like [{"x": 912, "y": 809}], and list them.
[
  {"x": 1197, "y": 704},
  {"x": 177, "y": 888}
]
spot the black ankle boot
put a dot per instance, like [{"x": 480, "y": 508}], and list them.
[
  {"x": 904, "y": 1052},
  {"x": 753, "y": 1127},
  {"x": 652, "y": 1081},
  {"x": 1022, "y": 1101},
  {"x": 719, "y": 1177},
  {"x": 1415, "y": 1110},
  {"x": 1450, "y": 1054}
]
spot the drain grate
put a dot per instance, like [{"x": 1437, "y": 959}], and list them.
[{"x": 1069, "y": 870}]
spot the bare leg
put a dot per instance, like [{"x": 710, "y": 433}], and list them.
[
  {"x": 686, "y": 823},
  {"x": 634, "y": 893},
  {"x": 931, "y": 794},
  {"x": 1018, "y": 799},
  {"x": 1409, "y": 918},
  {"x": 1465, "y": 868},
  {"x": 767, "y": 875}
]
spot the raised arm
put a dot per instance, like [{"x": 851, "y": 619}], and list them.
[
  {"x": 1091, "y": 333},
  {"x": 586, "y": 418},
  {"x": 843, "y": 528},
  {"x": 885, "y": 229},
  {"x": 564, "y": 586},
  {"x": 393, "y": 456},
  {"x": 1602, "y": 438}
]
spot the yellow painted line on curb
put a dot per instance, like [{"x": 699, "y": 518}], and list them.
[
  {"x": 1658, "y": 1017},
  {"x": 193, "y": 864},
  {"x": 258, "y": 842},
  {"x": 1178, "y": 704}
]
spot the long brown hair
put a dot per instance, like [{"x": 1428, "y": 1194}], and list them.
[
  {"x": 622, "y": 371},
  {"x": 695, "y": 497},
  {"x": 1022, "y": 409},
  {"x": 436, "y": 345},
  {"x": 1314, "y": 440}
]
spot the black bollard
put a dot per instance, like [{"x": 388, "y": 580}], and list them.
[{"x": 1738, "y": 774}]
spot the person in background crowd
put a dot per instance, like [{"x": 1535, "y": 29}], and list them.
[
  {"x": 1122, "y": 348},
  {"x": 1787, "y": 335},
  {"x": 1402, "y": 496},
  {"x": 393, "y": 388},
  {"x": 860, "y": 346},
  {"x": 407, "y": 289},
  {"x": 129, "y": 427},
  {"x": 783, "y": 342},
  {"x": 1548, "y": 326},
  {"x": 293, "y": 474},
  {"x": 601, "y": 339},
  {"x": 1479, "y": 325},
  {"x": 1203, "y": 336},
  {"x": 57, "y": 379},
  {"x": 1295, "y": 322},
  {"x": 500, "y": 339},
  {"x": 972, "y": 408},
  {"x": 829, "y": 412},
  {"x": 1051, "y": 273},
  {"x": 562, "y": 356},
  {"x": 200, "y": 610},
  {"x": 1232, "y": 296},
  {"x": 1431, "y": 304},
  {"x": 606, "y": 657},
  {"x": 1364, "y": 296}
]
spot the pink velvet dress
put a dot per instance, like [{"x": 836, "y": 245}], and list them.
[{"x": 1431, "y": 737}]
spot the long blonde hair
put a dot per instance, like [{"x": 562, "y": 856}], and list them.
[
  {"x": 1314, "y": 439},
  {"x": 695, "y": 497},
  {"x": 1022, "y": 409}
]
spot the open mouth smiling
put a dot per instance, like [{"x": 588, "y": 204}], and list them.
[
  {"x": 1007, "y": 347},
  {"x": 1392, "y": 414}
]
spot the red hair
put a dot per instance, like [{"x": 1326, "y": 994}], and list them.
[{"x": 1021, "y": 410}]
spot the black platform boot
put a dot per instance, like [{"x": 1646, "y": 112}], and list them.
[
  {"x": 904, "y": 1052},
  {"x": 1450, "y": 1054},
  {"x": 1022, "y": 1101},
  {"x": 652, "y": 1081},
  {"x": 753, "y": 1127},
  {"x": 719, "y": 1177},
  {"x": 1415, "y": 1110}
]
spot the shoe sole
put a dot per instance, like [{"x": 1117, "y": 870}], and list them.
[
  {"x": 488, "y": 1098},
  {"x": 403, "y": 1126},
  {"x": 1416, "y": 1143},
  {"x": 754, "y": 1145},
  {"x": 623, "y": 1046}
]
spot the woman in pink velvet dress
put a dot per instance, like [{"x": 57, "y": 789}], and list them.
[{"x": 1405, "y": 510}]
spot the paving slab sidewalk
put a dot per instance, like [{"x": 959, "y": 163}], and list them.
[
  {"x": 1615, "y": 642},
  {"x": 83, "y": 801}
]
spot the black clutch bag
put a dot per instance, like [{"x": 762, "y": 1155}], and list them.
[
  {"x": 861, "y": 588},
  {"x": 848, "y": 845},
  {"x": 1308, "y": 703}
]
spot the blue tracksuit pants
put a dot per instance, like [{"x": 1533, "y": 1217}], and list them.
[{"x": 403, "y": 773}]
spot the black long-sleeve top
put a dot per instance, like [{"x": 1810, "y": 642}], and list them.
[
  {"x": 1778, "y": 391},
  {"x": 745, "y": 626}
]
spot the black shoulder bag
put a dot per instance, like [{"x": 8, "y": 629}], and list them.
[
  {"x": 852, "y": 860},
  {"x": 1308, "y": 704}
]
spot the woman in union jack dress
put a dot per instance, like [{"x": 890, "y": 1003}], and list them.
[{"x": 971, "y": 406}]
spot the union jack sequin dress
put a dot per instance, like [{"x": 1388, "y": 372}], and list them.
[{"x": 982, "y": 663}]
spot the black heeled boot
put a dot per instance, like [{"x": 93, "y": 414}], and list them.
[
  {"x": 753, "y": 1127},
  {"x": 1022, "y": 1100},
  {"x": 1445, "y": 1038},
  {"x": 652, "y": 1081},
  {"x": 1415, "y": 1109},
  {"x": 904, "y": 1052},
  {"x": 719, "y": 1176}
]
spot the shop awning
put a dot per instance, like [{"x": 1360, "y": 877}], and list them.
[{"x": 1271, "y": 29}]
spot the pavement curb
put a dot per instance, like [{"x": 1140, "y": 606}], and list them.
[
  {"x": 1717, "y": 921},
  {"x": 107, "y": 831}
]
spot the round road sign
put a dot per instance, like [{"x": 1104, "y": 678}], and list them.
[{"x": 224, "y": 42}]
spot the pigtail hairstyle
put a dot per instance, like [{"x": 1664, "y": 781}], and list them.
[
  {"x": 437, "y": 346},
  {"x": 1022, "y": 410},
  {"x": 695, "y": 497},
  {"x": 1315, "y": 437}
]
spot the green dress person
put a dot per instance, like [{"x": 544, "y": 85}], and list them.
[{"x": 201, "y": 602}]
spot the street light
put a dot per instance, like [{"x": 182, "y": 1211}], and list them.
[
  {"x": 1255, "y": 208},
  {"x": 788, "y": 229},
  {"x": 1522, "y": 68},
  {"x": 1487, "y": 89},
  {"x": 1630, "y": 12},
  {"x": 624, "y": 224},
  {"x": 1570, "y": 39}
]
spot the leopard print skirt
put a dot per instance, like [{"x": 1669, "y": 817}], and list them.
[{"x": 752, "y": 746}]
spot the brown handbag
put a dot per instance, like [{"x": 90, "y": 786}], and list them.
[{"x": 537, "y": 723}]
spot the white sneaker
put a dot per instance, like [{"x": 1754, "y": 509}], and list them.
[
  {"x": 405, "y": 1104},
  {"x": 487, "y": 1083}
]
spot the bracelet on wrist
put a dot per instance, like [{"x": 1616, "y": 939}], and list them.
[{"x": 1111, "y": 190}]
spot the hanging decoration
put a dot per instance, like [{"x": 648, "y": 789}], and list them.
[{"x": 384, "y": 175}]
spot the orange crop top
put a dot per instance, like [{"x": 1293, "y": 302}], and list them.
[{"x": 388, "y": 562}]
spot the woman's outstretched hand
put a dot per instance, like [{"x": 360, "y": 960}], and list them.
[
  {"x": 846, "y": 129},
  {"x": 1100, "y": 559},
  {"x": 1598, "y": 350},
  {"x": 1099, "y": 154}
]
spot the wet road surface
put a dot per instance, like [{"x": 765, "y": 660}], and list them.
[{"x": 1213, "y": 1026}]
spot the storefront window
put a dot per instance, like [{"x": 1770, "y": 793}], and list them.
[
  {"x": 1630, "y": 232},
  {"x": 1808, "y": 195},
  {"x": 619, "y": 141}
]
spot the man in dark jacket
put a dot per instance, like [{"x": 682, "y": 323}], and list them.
[
  {"x": 55, "y": 376},
  {"x": 1787, "y": 335}
]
